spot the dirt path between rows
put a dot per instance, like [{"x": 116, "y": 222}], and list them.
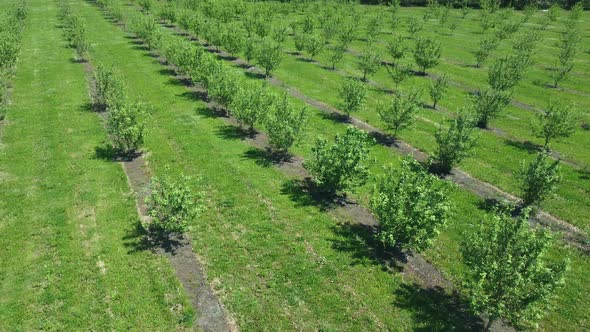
[
  {"x": 178, "y": 248},
  {"x": 571, "y": 234}
]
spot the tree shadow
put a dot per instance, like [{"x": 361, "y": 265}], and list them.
[
  {"x": 489, "y": 204},
  {"x": 527, "y": 146},
  {"x": 262, "y": 157},
  {"x": 304, "y": 192},
  {"x": 254, "y": 75},
  {"x": 434, "y": 309},
  {"x": 108, "y": 152},
  {"x": 209, "y": 112},
  {"x": 359, "y": 240},
  {"x": 231, "y": 132},
  {"x": 383, "y": 139},
  {"x": 584, "y": 173},
  {"x": 336, "y": 117},
  {"x": 194, "y": 95},
  {"x": 139, "y": 239}
]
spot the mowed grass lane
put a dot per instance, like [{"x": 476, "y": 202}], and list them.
[
  {"x": 223, "y": 162},
  {"x": 71, "y": 254}
]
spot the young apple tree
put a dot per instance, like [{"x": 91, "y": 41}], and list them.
[
  {"x": 269, "y": 55},
  {"x": 251, "y": 104},
  {"x": 353, "y": 94},
  {"x": 400, "y": 112},
  {"x": 488, "y": 104},
  {"x": 438, "y": 89},
  {"x": 126, "y": 127},
  {"x": 427, "y": 53},
  {"x": 396, "y": 47},
  {"x": 453, "y": 144},
  {"x": 556, "y": 121},
  {"x": 398, "y": 73},
  {"x": 411, "y": 206},
  {"x": 341, "y": 166},
  {"x": 284, "y": 125},
  {"x": 509, "y": 275},
  {"x": 368, "y": 62},
  {"x": 172, "y": 203},
  {"x": 538, "y": 179}
]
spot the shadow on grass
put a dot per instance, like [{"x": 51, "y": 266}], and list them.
[
  {"x": 264, "y": 157},
  {"x": 336, "y": 117},
  {"x": 210, "y": 112},
  {"x": 254, "y": 75},
  {"x": 306, "y": 193},
  {"x": 527, "y": 146},
  {"x": 434, "y": 309},
  {"x": 231, "y": 132},
  {"x": 109, "y": 153},
  {"x": 193, "y": 95},
  {"x": 139, "y": 239}
]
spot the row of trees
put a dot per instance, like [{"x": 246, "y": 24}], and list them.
[
  {"x": 411, "y": 204},
  {"x": 74, "y": 30},
  {"x": 251, "y": 103},
  {"x": 11, "y": 26}
]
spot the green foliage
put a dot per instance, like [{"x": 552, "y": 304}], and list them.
[
  {"x": 269, "y": 55},
  {"x": 233, "y": 40},
  {"x": 336, "y": 54},
  {"x": 146, "y": 5},
  {"x": 223, "y": 86},
  {"x": 251, "y": 104},
  {"x": 488, "y": 104},
  {"x": 453, "y": 144},
  {"x": 75, "y": 32},
  {"x": 172, "y": 204},
  {"x": 538, "y": 179},
  {"x": 299, "y": 39},
  {"x": 400, "y": 112},
  {"x": 553, "y": 12},
  {"x": 411, "y": 206},
  {"x": 146, "y": 28},
  {"x": 508, "y": 71},
  {"x": 353, "y": 93},
  {"x": 9, "y": 49},
  {"x": 341, "y": 166},
  {"x": 168, "y": 13},
  {"x": 251, "y": 49},
  {"x": 374, "y": 27},
  {"x": 396, "y": 47},
  {"x": 568, "y": 47},
  {"x": 427, "y": 53},
  {"x": 556, "y": 121},
  {"x": 487, "y": 45},
  {"x": 509, "y": 276},
  {"x": 438, "y": 89},
  {"x": 398, "y": 73},
  {"x": 314, "y": 44},
  {"x": 285, "y": 126},
  {"x": 368, "y": 62},
  {"x": 111, "y": 92},
  {"x": 126, "y": 127},
  {"x": 415, "y": 25}
]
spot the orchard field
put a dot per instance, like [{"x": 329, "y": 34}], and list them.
[{"x": 227, "y": 165}]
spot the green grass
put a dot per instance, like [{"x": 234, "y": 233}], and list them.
[
  {"x": 278, "y": 261},
  {"x": 72, "y": 256}
]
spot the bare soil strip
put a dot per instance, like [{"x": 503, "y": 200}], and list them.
[{"x": 211, "y": 314}]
